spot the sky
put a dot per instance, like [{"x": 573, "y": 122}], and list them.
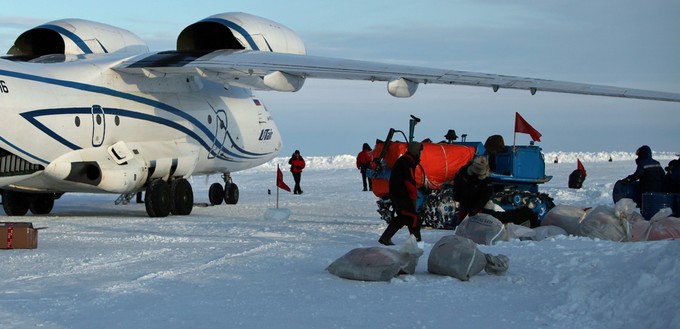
[{"x": 621, "y": 43}]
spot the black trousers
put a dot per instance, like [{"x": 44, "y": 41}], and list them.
[
  {"x": 296, "y": 178},
  {"x": 406, "y": 218}
]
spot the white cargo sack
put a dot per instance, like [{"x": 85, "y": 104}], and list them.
[
  {"x": 482, "y": 229},
  {"x": 609, "y": 223},
  {"x": 460, "y": 258},
  {"x": 543, "y": 232},
  {"x": 564, "y": 216},
  {"x": 377, "y": 263},
  {"x": 520, "y": 232}
]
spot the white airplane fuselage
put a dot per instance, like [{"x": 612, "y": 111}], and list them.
[{"x": 135, "y": 128}]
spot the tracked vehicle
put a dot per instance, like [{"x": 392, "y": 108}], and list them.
[{"x": 516, "y": 172}]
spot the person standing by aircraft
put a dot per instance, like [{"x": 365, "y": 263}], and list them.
[
  {"x": 404, "y": 194},
  {"x": 297, "y": 163},
  {"x": 472, "y": 187},
  {"x": 364, "y": 159},
  {"x": 649, "y": 172}
]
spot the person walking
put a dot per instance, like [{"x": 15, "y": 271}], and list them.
[
  {"x": 472, "y": 187},
  {"x": 297, "y": 163},
  {"x": 404, "y": 194},
  {"x": 364, "y": 160}
]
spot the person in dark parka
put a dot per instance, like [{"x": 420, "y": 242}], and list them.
[
  {"x": 472, "y": 187},
  {"x": 403, "y": 194},
  {"x": 673, "y": 176},
  {"x": 649, "y": 172}
]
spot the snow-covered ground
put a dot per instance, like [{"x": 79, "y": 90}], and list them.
[{"x": 104, "y": 266}]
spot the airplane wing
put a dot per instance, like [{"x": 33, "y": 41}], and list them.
[{"x": 287, "y": 72}]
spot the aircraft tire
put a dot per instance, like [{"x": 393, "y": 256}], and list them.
[
  {"x": 15, "y": 203},
  {"x": 231, "y": 194},
  {"x": 182, "y": 197},
  {"x": 216, "y": 194},
  {"x": 157, "y": 199},
  {"x": 41, "y": 204}
]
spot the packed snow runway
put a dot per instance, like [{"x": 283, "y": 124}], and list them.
[{"x": 99, "y": 265}]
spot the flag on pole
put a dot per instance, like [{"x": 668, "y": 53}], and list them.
[
  {"x": 522, "y": 126},
  {"x": 279, "y": 180},
  {"x": 580, "y": 167}
]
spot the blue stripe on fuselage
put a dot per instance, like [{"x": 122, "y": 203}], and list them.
[{"x": 162, "y": 106}]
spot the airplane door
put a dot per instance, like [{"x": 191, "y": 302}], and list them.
[
  {"x": 220, "y": 133},
  {"x": 98, "y": 125}
]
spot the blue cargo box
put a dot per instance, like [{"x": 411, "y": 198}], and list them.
[
  {"x": 652, "y": 202},
  {"x": 521, "y": 162}
]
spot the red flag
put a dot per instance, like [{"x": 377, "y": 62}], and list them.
[
  {"x": 279, "y": 180},
  {"x": 521, "y": 126},
  {"x": 580, "y": 167}
]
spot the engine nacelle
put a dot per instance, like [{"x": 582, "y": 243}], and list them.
[
  {"x": 402, "y": 88},
  {"x": 76, "y": 37},
  {"x": 239, "y": 31}
]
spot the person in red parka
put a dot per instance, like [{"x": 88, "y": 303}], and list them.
[
  {"x": 404, "y": 194},
  {"x": 364, "y": 159},
  {"x": 297, "y": 163}
]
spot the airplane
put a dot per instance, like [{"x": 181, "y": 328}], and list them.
[{"x": 86, "y": 107}]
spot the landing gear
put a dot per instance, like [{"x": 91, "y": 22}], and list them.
[
  {"x": 157, "y": 198},
  {"x": 216, "y": 194},
  {"x": 41, "y": 204},
  {"x": 182, "y": 197},
  {"x": 15, "y": 203},
  {"x": 18, "y": 203},
  {"x": 229, "y": 193},
  {"x": 162, "y": 199}
]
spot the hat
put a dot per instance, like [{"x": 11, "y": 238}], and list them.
[
  {"x": 644, "y": 152},
  {"x": 296, "y": 152},
  {"x": 414, "y": 148},
  {"x": 366, "y": 147},
  {"x": 479, "y": 167}
]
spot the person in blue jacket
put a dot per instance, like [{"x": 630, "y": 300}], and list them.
[{"x": 649, "y": 172}]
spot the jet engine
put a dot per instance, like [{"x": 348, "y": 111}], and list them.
[
  {"x": 76, "y": 37},
  {"x": 239, "y": 31}
]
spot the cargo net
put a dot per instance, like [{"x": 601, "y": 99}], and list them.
[{"x": 438, "y": 209}]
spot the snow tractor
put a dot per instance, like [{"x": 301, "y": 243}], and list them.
[{"x": 516, "y": 172}]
